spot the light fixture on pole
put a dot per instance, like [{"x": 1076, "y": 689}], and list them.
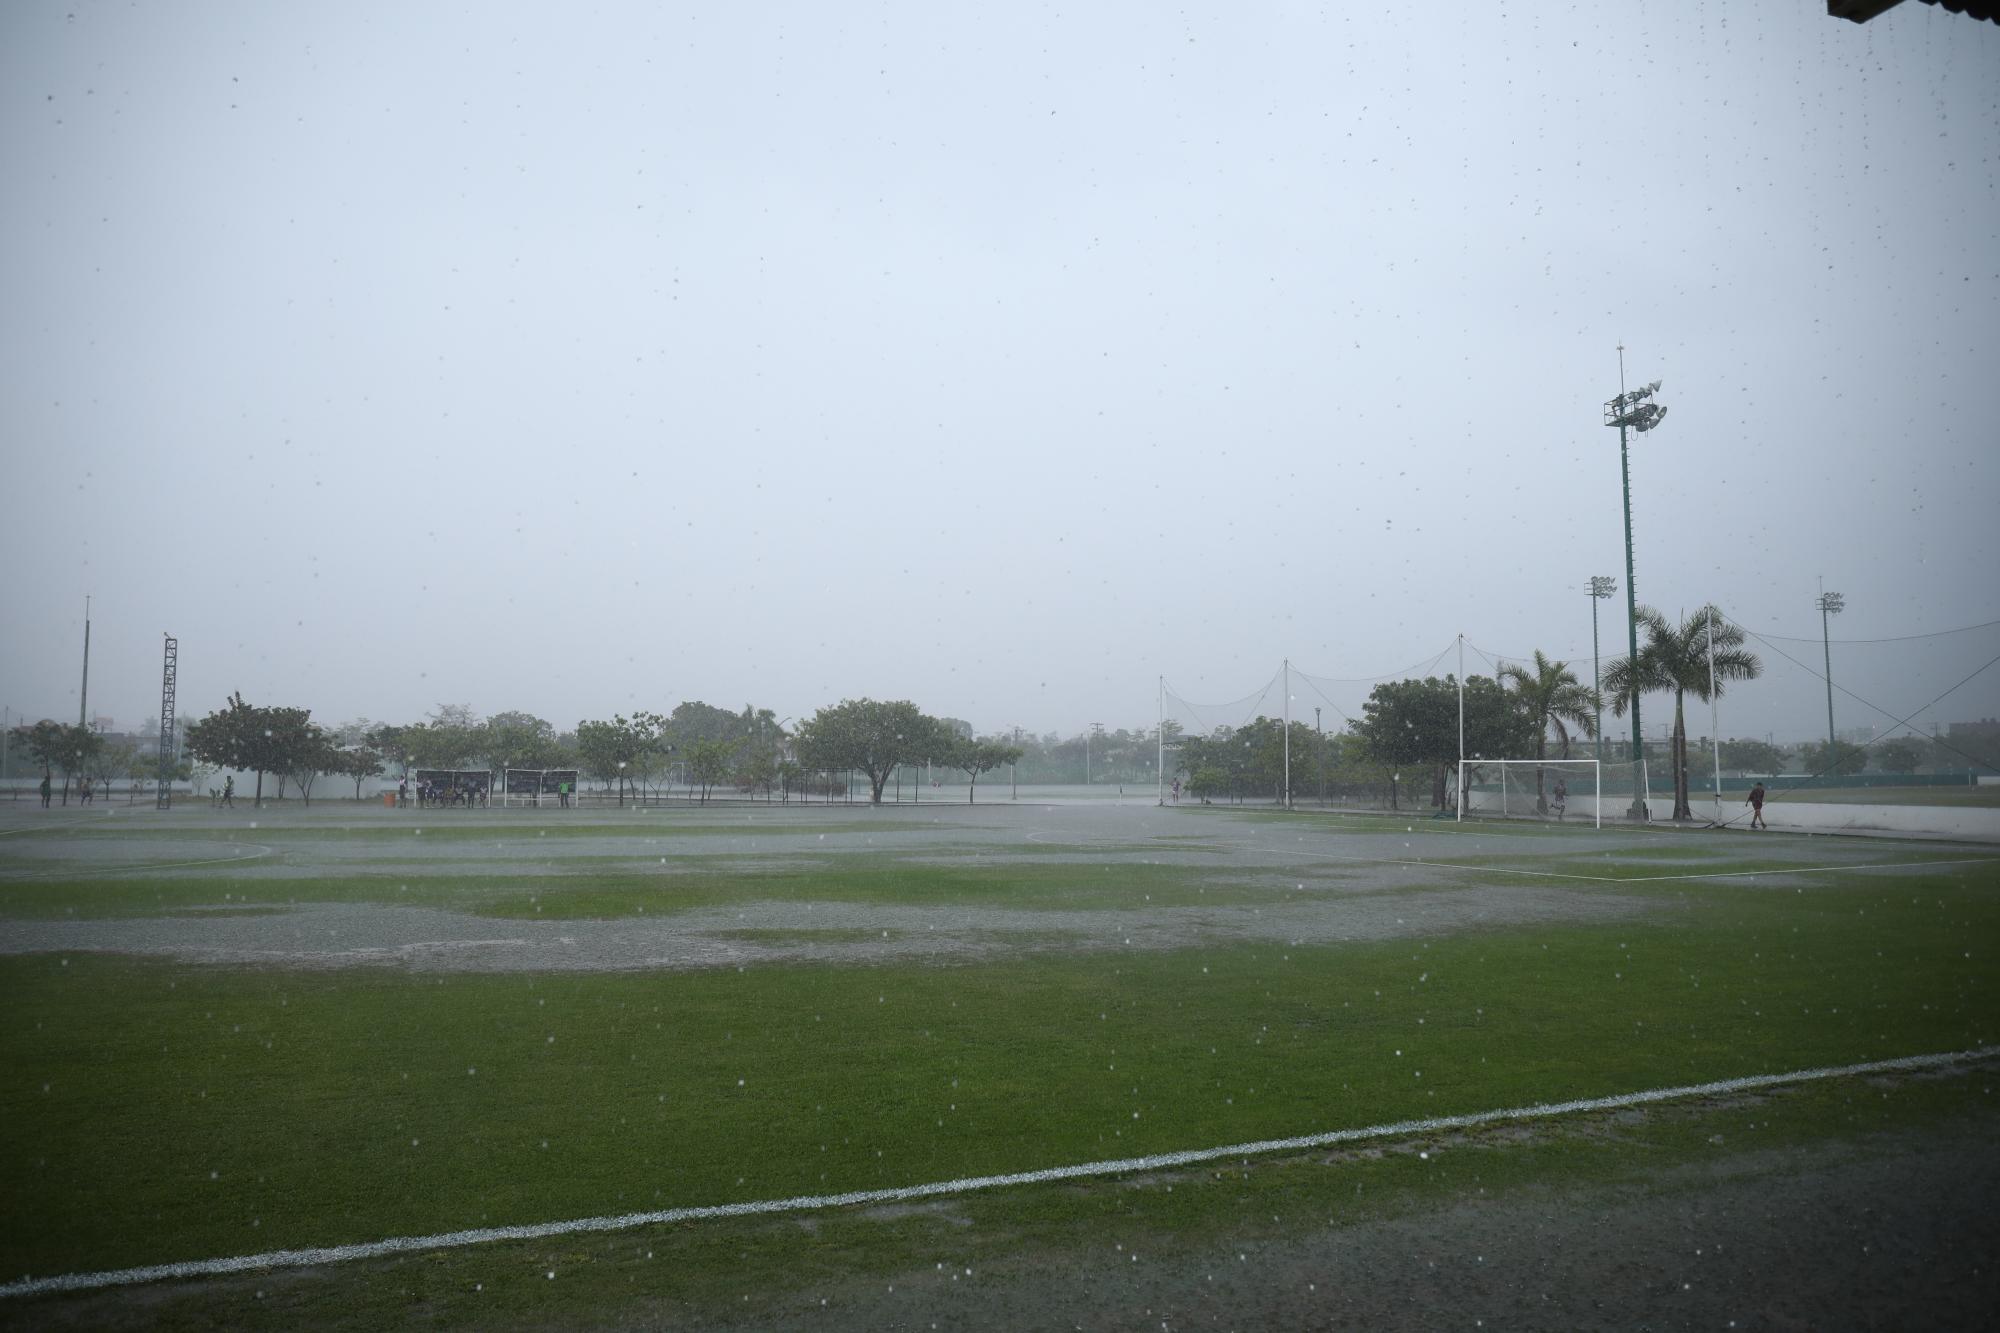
[
  {"x": 1601, "y": 587},
  {"x": 1830, "y": 604},
  {"x": 1636, "y": 411}
]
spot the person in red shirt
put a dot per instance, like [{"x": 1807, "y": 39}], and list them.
[{"x": 1755, "y": 800}]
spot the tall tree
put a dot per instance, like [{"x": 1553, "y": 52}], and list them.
[
  {"x": 1838, "y": 760},
  {"x": 1552, "y": 696},
  {"x": 757, "y": 767},
  {"x": 869, "y": 735},
  {"x": 440, "y": 744},
  {"x": 619, "y": 750},
  {"x": 309, "y": 752},
  {"x": 43, "y": 741},
  {"x": 1752, "y": 756},
  {"x": 974, "y": 757},
  {"x": 515, "y": 739},
  {"x": 392, "y": 743},
  {"x": 709, "y": 762},
  {"x": 1902, "y": 754},
  {"x": 258, "y": 740},
  {"x": 1416, "y": 722},
  {"x": 1675, "y": 659},
  {"x": 361, "y": 763}
]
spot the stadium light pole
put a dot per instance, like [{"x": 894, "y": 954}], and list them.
[
  {"x": 1830, "y": 604},
  {"x": 1635, "y": 411},
  {"x": 1321, "y": 731},
  {"x": 1601, "y": 587}
]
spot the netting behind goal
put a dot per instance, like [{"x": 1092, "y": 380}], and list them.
[
  {"x": 1242, "y": 750},
  {"x": 1549, "y": 789},
  {"x": 1908, "y": 703}
]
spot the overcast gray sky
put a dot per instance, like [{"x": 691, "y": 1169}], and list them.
[{"x": 1001, "y": 359}]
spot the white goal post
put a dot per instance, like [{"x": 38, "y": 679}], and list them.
[{"x": 1507, "y": 788}]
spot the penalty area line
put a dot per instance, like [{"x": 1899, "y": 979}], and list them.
[{"x": 333, "y": 1254}]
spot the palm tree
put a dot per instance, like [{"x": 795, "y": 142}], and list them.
[
  {"x": 1676, "y": 658},
  {"x": 1551, "y": 695}
]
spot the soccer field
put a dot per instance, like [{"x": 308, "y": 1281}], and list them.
[{"x": 236, "y": 1033}]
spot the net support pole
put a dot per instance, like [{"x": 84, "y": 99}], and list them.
[
  {"x": 1458, "y": 779},
  {"x": 1160, "y": 754},
  {"x": 1714, "y": 715},
  {"x": 1288, "y": 733}
]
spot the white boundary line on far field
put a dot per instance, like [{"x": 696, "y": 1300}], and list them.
[
  {"x": 39, "y": 828},
  {"x": 332, "y": 1254},
  {"x": 1616, "y": 879},
  {"x": 66, "y": 873}
]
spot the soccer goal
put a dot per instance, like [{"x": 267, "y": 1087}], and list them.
[{"x": 1555, "y": 789}]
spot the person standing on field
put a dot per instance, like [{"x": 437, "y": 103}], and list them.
[
  {"x": 229, "y": 790},
  {"x": 45, "y": 791},
  {"x": 1755, "y": 800}
]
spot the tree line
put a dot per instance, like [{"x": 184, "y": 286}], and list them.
[
  {"x": 1407, "y": 736},
  {"x": 705, "y": 746},
  {"x": 1413, "y": 727}
]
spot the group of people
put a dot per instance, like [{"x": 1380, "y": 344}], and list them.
[
  {"x": 86, "y": 788},
  {"x": 465, "y": 791}
]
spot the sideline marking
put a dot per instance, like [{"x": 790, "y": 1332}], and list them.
[
  {"x": 1624, "y": 879},
  {"x": 333, "y": 1254},
  {"x": 261, "y": 852},
  {"x": 42, "y": 828}
]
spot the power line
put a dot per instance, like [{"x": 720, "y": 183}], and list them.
[{"x": 1899, "y": 638}]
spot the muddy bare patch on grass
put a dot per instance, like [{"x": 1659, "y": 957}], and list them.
[{"x": 321, "y": 935}]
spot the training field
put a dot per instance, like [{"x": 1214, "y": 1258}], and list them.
[{"x": 238, "y": 1033}]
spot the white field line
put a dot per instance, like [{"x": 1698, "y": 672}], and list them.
[
  {"x": 261, "y": 852},
  {"x": 1255, "y": 844},
  {"x": 1618, "y": 879},
  {"x": 1802, "y": 870},
  {"x": 333, "y": 1254},
  {"x": 42, "y": 828}
]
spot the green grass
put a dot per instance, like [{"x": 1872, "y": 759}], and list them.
[
  {"x": 761, "y": 1272},
  {"x": 158, "y": 1111},
  {"x": 588, "y": 892}
]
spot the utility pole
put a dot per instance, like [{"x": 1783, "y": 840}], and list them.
[
  {"x": 1633, "y": 410},
  {"x": 83, "y": 695}
]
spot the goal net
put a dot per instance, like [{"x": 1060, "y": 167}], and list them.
[{"x": 1551, "y": 789}]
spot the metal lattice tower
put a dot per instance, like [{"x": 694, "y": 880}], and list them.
[{"x": 166, "y": 765}]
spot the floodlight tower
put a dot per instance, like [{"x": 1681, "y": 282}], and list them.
[
  {"x": 1637, "y": 411},
  {"x": 1830, "y": 604},
  {"x": 1601, "y": 587}
]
